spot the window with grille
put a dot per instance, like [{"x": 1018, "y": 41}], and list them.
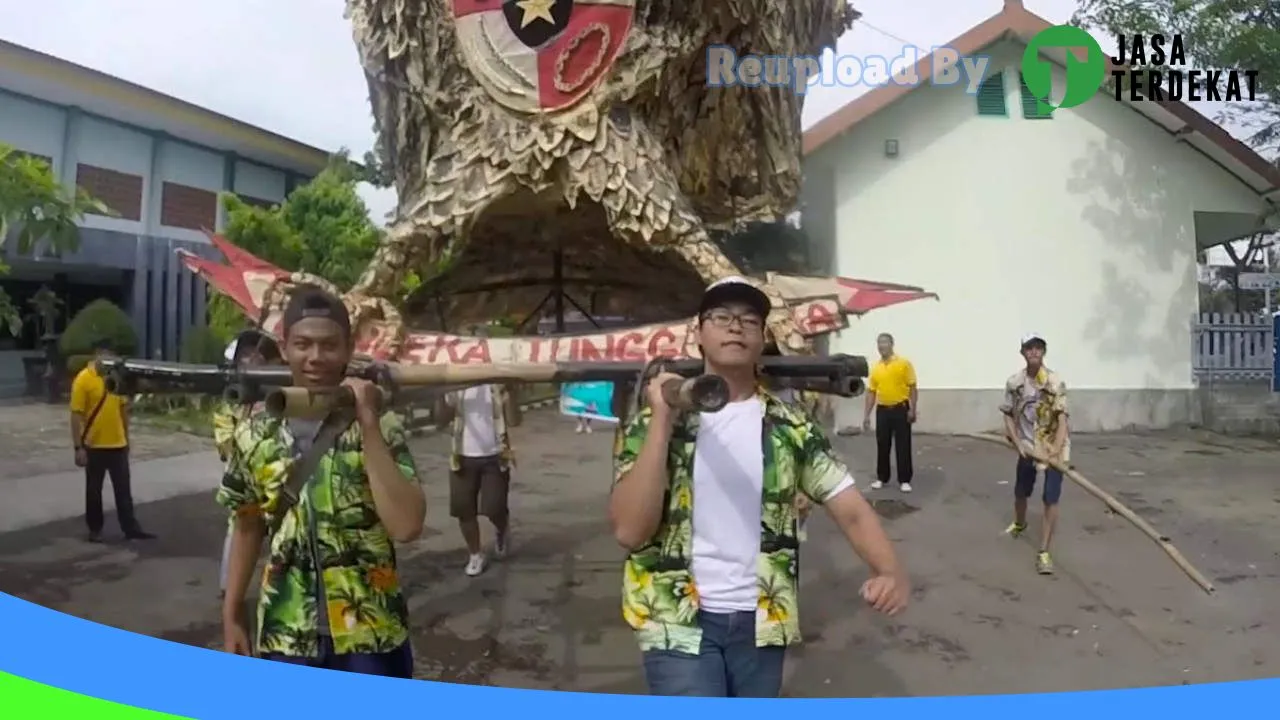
[
  {"x": 991, "y": 96},
  {"x": 1030, "y": 104}
]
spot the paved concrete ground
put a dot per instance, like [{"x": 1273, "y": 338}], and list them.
[
  {"x": 35, "y": 439},
  {"x": 40, "y": 482},
  {"x": 1117, "y": 614}
]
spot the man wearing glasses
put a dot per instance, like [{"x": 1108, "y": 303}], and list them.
[{"x": 706, "y": 506}]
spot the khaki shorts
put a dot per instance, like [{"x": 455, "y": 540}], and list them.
[{"x": 479, "y": 487}]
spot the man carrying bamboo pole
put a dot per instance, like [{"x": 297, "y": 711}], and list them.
[
  {"x": 706, "y": 506},
  {"x": 249, "y": 349},
  {"x": 331, "y": 495},
  {"x": 1035, "y": 421}
]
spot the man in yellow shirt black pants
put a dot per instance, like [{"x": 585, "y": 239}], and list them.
[
  {"x": 891, "y": 392},
  {"x": 100, "y": 435}
]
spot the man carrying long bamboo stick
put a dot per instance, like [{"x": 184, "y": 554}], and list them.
[
  {"x": 249, "y": 349},
  {"x": 706, "y": 506},
  {"x": 330, "y": 496},
  {"x": 1035, "y": 420}
]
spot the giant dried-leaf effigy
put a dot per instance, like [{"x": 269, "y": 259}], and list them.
[{"x": 573, "y": 147}]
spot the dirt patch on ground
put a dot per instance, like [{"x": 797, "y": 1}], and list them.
[{"x": 891, "y": 508}]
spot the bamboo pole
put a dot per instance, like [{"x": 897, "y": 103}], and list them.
[{"x": 1116, "y": 506}]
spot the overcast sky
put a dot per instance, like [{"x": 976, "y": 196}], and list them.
[{"x": 290, "y": 65}]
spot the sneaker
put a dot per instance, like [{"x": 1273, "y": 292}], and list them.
[
  {"x": 94, "y": 537},
  {"x": 475, "y": 564},
  {"x": 877, "y": 485},
  {"x": 1044, "y": 564},
  {"x": 139, "y": 535},
  {"x": 501, "y": 544},
  {"x": 1015, "y": 529},
  {"x": 578, "y": 430},
  {"x": 588, "y": 429},
  {"x": 906, "y": 487}
]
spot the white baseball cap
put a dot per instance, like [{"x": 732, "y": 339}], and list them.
[
  {"x": 1032, "y": 337},
  {"x": 230, "y": 354},
  {"x": 735, "y": 289}
]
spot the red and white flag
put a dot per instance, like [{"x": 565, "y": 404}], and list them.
[{"x": 820, "y": 305}]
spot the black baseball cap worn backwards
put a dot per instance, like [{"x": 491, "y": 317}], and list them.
[
  {"x": 734, "y": 289},
  {"x": 314, "y": 302}
]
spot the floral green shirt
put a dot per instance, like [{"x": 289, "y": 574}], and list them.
[
  {"x": 659, "y": 592},
  {"x": 225, "y": 418},
  {"x": 224, "y": 427},
  {"x": 330, "y": 544}
]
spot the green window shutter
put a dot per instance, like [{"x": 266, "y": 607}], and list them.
[
  {"x": 991, "y": 96},
  {"x": 1030, "y": 105}
]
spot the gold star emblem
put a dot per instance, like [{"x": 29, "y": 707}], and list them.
[{"x": 536, "y": 10}]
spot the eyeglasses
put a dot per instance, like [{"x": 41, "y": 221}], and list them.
[{"x": 724, "y": 319}]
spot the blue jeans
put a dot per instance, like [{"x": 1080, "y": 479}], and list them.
[
  {"x": 398, "y": 663},
  {"x": 727, "y": 665},
  {"x": 1026, "y": 482}
]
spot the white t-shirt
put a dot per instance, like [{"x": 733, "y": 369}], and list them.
[
  {"x": 479, "y": 436},
  {"x": 728, "y": 480}
]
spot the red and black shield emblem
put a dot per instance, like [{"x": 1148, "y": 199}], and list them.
[{"x": 541, "y": 55}]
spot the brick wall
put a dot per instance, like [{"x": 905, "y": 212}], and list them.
[
  {"x": 119, "y": 191},
  {"x": 183, "y": 206}
]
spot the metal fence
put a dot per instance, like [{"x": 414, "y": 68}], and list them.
[{"x": 1232, "y": 347}]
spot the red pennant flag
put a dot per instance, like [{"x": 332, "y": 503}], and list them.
[{"x": 867, "y": 295}]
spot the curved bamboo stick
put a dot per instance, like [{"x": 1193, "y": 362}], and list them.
[{"x": 1116, "y": 506}]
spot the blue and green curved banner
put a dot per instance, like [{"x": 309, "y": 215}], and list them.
[
  {"x": 21, "y": 699},
  {"x": 55, "y": 666}
]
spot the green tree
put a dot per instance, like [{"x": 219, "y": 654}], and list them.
[
  {"x": 36, "y": 208},
  {"x": 322, "y": 228},
  {"x": 377, "y": 170},
  {"x": 202, "y": 346},
  {"x": 762, "y": 247},
  {"x": 1217, "y": 35},
  {"x": 99, "y": 320},
  {"x": 1220, "y": 289}
]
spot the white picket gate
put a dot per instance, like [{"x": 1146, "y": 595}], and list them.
[{"x": 1232, "y": 347}]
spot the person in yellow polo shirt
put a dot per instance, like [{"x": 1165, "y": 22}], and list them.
[
  {"x": 891, "y": 392},
  {"x": 100, "y": 436}
]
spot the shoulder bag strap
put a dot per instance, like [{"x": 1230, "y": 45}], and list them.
[
  {"x": 306, "y": 464},
  {"x": 93, "y": 415}
]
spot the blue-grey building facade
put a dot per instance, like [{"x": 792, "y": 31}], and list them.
[{"x": 160, "y": 164}]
